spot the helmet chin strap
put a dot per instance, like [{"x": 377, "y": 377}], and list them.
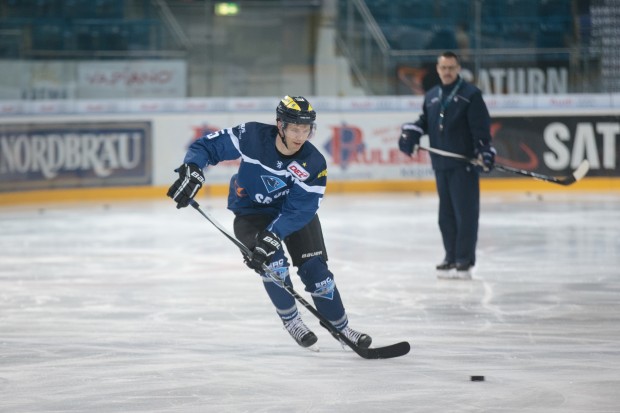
[{"x": 281, "y": 135}]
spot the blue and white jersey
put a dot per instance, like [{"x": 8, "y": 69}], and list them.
[{"x": 289, "y": 188}]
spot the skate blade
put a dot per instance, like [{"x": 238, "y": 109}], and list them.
[{"x": 455, "y": 275}]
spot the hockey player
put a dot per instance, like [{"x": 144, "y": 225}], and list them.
[{"x": 275, "y": 196}]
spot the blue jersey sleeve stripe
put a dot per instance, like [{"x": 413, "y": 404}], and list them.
[
  {"x": 317, "y": 189},
  {"x": 233, "y": 138},
  {"x": 257, "y": 162}
]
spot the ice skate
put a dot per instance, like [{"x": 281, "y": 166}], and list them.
[
  {"x": 445, "y": 270},
  {"x": 360, "y": 339},
  {"x": 445, "y": 266},
  {"x": 301, "y": 333},
  {"x": 457, "y": 272}
]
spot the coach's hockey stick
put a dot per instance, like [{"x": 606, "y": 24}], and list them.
[
  {"x": 577, "y": 174},
  {"x": 391, "y": 351}
]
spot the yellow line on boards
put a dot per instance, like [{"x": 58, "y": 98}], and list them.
[{"x": 335, "y": 187}]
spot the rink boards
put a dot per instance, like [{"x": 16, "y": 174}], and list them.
[{"x": 111, "y": 149}]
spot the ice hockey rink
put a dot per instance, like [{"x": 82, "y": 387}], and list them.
[{"x": 140, "y": 307}]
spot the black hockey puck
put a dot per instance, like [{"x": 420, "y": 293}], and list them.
[{"x": 476, "y": 378}]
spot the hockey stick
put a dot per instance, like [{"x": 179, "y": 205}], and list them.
[
  {"x": 577, "y": 174},
  {"x": 391, "y": 351}
]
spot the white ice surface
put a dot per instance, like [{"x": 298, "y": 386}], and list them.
[{"x": 139, "y": 307}]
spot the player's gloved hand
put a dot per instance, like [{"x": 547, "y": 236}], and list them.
[
  {"x": 267, "y": 244},
  {"x": 185, "y": 188},
  {"x": 409, "y": 139},
  {"x": 486, "y": 157}
]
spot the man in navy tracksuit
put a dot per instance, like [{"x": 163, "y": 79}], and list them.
[{"x": 456, "y": 120}]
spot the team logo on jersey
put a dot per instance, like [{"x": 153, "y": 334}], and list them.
[
  {"x": 272, "y": 183},
  {"x": 297, "y": 170}
]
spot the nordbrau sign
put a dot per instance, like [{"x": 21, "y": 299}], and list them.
[
  {"x": 69, "y": 155},
  {"x": 556, "y": 145}
]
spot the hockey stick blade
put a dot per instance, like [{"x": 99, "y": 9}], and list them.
[
  {"x": 391, "y": 351},
  {"x": 579, "y": 173},
  {"x": 372, "y": 353},
  {"x": 387, "y": 352}
]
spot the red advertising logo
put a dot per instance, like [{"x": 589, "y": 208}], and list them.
[{"x": 298, "y": 171}]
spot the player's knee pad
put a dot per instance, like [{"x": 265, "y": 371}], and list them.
[{"x": 318, "y": 279}]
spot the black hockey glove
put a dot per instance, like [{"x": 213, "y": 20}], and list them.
[
  {"x": 267, "y": 244},
  {"x": 486, "y": 157},
  {"x": 185, "y": 188},
  {"x": 409, "y": 139}
]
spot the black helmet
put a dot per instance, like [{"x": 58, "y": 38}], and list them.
[{"x": 295, "y": 109}]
